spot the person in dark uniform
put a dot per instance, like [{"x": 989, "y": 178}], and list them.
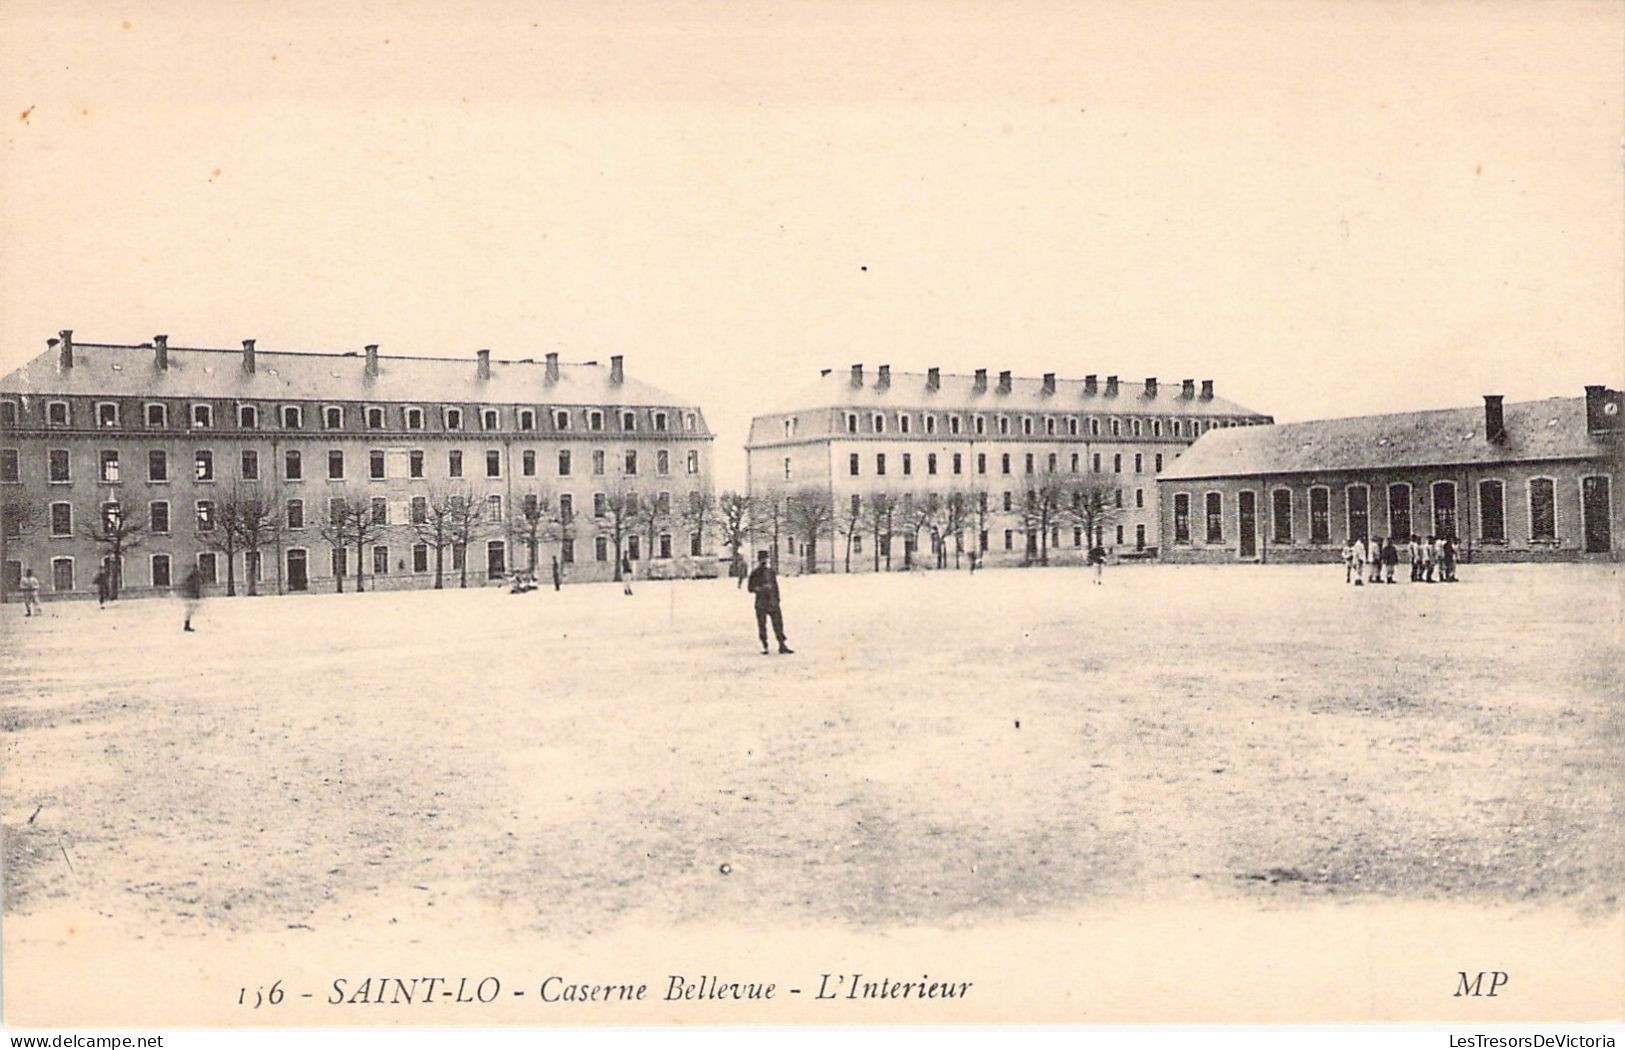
[
  {"x": 764, "y": 584},
  {"x": 626, "y": 575},
  {"x": 556, "y": 574},
  {"x": 101, "y": 588},
  {"x": 192, "y": 594}
]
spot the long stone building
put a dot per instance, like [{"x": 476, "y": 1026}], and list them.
[
  {"x": 465, "y": 469},
  {"x": 913, "y": 440},
  {"x": 1531, "y": 481}
]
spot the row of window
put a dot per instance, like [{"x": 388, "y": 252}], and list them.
[
  {"x": 932, "y": 501},
  {"x": 883, "y": 542},
  {"x": 161, "y": 569},
  {"x": 201, "y": 416},
  {"x": 1027, "y": 426},
  {"x": 60, "y": 515},
  {"x": 59, "y": 467},
  {"x": 1540, "y": 494},
  {"x": 1052, "y": 462}
]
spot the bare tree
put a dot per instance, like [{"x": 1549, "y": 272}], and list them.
[
  {"x": 733, "y": 524},
  {"x": 19, "y": 520},
  {"x": 698, "y": 512},
  {"x": 1044, "y": 505},
  {"x": 617, "y": 514},
  {"x": 433, "y": 518},
  {"x": 1091, "y": 505},
  {"x": 956, "y": 516},
  {"x": 251, "y": 516},
  {"x": 881, "y": 508},
  {"x": 535, "y": 515},
  {"x": 466, "y": 516},
  {"x": 808, "y": 515},
  {"x": 116, "y": 534},
  {"x": 352, "y": 523},
  {"x": 918, "y": 515},
  {"x": 979, "y": 512},
  {"x": 651, "y": 516},
  {"x": 768, "y": 517},
  {"x": 850, "y": 525}
]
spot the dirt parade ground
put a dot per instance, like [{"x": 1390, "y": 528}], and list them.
[{"x": 943, "y": 752}]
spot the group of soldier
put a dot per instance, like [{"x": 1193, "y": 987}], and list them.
[{"x": 1375, "y": 560}]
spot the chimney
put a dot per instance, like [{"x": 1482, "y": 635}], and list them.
[
  {"x": 617, "y": 371},
  {"x": 1150, "y": 386},
  {"x": 552, "y": 367},
  {"x": 65, "y": 351},
  {"x": 857, "y": 377},
  {"x": 248, "y": 356},
  {"x": 1049, "y": 383},
  {"x": 1004, "y": 382},
  {"x": 933, "y": 379},
  {"x": 1187, "y": 388},
  {"x": 1495, "y": 424},
  {"x": 484, "y": 368},
  {"x": 372, "y": 359},
  {"x": 1091, "y": 385},
  {"x": 1207, "y": 390},
  {"x": 1111, "y": 386},
  {"x": 160, "y": 352},
  {"x": 884, "y": 380},
  {"x": 981, "y": 380}
]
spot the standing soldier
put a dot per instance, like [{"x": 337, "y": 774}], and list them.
[
  {"x": 1390, "y": 558},
  {"x": 1097, "y": 558},
  {"x": 764, "y": 584},
  {"x": 556, "y": 575},
  {"x": 101, "y": 588},
  {"x": 626, "y": 575},
  {"x": 30, "y": 589},
  {"x": 192, "y": 594}
]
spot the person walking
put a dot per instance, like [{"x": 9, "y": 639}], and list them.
[
  {"x": 30, "y": 587},
  {"x": 557, "y": 577},
  {"x": 101, "y": 588},
  {"x": 626, "y": 575},
  {"x": 1390, "y": 558},
  {"x": 738, "y": 570},
  {"x": 192, "y": 594},
  {"x": 764, "y": 584}
]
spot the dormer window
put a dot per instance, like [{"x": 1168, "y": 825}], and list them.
[
  {"x": 930, "y": 424},
  {"x": 1094, "y": 428},
  {"x": 156, "y": 414},
  {"x": 880, "y": 423},
  {"x": 904, "y": 422},
  {"x": 333, "y": 417},
  {"x": 293, "y": 417},
  {"x": 1117, "y": 428},
  {"x": 1027, "y": 426},
  {"x": 953, "y": 424},
  {"x": 56, "y": 413},
  {"x": 1049, "y": 425},
  {"x": 375, "y": 417},
  {"x": 561, "y": 419},
  {"x": 981, "y": 425},
  {"x": 454, "y": 418},
  {"x": 414, "y": 418},
  {"x": 107, "y": 413},
  {"x": 595, "y": 420},
  {"x": 248, "y": 417},
  {"x": 851, "y": 422},
  {"x": 489, "y": 419},
  {"x": 202, "y": 415},
  {"x": 629, "y": 420},
  {"x": 1072, "y": 427},
  {"x": 8, "y": 413},
  {"x": 691, "y": 422},
  {"x": 1004, "y": 424},
  {"x": 1136, "y": 428},
  {"x": 660, "y": 421},
  {"x": 527, "y": 419}
]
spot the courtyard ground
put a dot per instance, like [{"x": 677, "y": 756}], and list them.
[{"x": 942, "y": 751}]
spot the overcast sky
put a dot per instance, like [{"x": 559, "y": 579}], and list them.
[{"x": 1329, "y": 208}]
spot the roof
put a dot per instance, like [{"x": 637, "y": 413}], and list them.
[
  {"x": 834, "y": 389},
  {"x": 1535, "y": 430},
  {"x": 116, "y": 370}
]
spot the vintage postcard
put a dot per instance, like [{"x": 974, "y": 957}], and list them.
[{"x": 812, "y": 513}]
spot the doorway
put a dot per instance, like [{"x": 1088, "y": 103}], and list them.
[
  {"x": 1595, "y": 507},
  {"x": 298, "y": 573},
  {"x": 1247, "y": 522}
]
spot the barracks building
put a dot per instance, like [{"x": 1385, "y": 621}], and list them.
[
  {"x": 916, "y": 438},
  {"x": 157, "y": 444},
  {"x": 1532, "y": 481}
]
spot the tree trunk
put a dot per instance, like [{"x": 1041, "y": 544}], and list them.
[
  {"x": 231, "y": 573},
  {"x": 439, "y": 565},
  {"x": 360, "y": 569}
]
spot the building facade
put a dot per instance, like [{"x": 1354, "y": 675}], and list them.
[
  {"x": 299, "y": 471},
  {"x": 1532, "y": 481},
  {"x": 1012, "y": 453}
]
